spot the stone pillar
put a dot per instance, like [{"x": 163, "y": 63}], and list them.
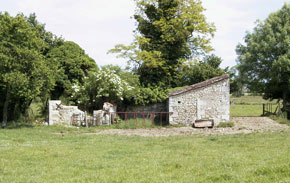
[{"x": 53, "y": 113}]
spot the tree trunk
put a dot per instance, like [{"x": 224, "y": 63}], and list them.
[
  {"x": 45, "y": 106},
  {"x": 284, "y": 100},
  {"x": 5, "y": 107}
]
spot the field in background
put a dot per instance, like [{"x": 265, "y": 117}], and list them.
[
  {"x": 248, "y": 105},
  {"x": 238, "y": 110},
  {"x": 251, "y": 100},
  {"x": 58, "y": 154}
]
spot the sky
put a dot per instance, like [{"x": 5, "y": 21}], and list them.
[{"x": 98, "y": 25}]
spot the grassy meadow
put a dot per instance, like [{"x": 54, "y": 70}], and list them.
[
  {"x": 49, "y": 154},
  {"x": 59, "y": 154},
  {"x": 238, "y": 110},
  {"x": 248, "y": 106}
]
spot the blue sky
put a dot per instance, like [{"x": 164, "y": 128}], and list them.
[{"x": 98, "y": 25}]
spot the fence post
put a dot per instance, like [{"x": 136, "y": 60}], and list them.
[
  {"x": 143, "y": 117},
  {"x": 263, "y": 109},
  {"x": 86, "y": 119},
  {"x": 152, "y": 117}
]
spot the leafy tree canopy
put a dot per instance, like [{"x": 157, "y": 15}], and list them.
[
  {"x": 168, "y": 33},
  {"x": 70, "y": 64},
  {"x": 197, "y": 72},
  {"x": 264, "y": 60},
  {"x": 36, "y": 63},
  {"x": 22, "y": 66}
]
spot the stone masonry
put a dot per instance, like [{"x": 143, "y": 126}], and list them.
[
  {"x": 61, "y": 114},
  {"x": 206, "y": 100}
]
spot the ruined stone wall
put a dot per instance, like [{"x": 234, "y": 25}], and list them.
[
  {"x": 60, "y": 114},
  {"x": 209, "y": 102}
]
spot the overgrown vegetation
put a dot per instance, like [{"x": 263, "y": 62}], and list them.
[
  {"x": 58, "y": 154},
  {"x": 282, "y": 119}
]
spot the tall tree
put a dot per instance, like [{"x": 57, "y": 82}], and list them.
[
  {"x": 70, "y": 64},
  {"x": 168, "y": 33},
  {"x": 264, "y": 60},
  {"x": 197, "y": 72},
  {"x": 22, "y": 65}
]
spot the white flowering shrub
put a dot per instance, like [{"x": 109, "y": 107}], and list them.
[
  {"x": 101, "y": 86},
  {"x": 112, "y": 84}
]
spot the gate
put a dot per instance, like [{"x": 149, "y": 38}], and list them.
[{"x": 271, "y": 109}]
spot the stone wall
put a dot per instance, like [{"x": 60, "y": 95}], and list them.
[
  {"x": 208, "y": 102},
  {"x": 61, "y": 114}
]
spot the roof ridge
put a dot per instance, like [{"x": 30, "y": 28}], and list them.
[{"x": 199, "y": 85}]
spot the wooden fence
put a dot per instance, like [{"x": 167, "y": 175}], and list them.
[{"x": 271, "y": 109}]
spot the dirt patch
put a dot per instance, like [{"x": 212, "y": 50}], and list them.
[{"x": 241, "y": 125}]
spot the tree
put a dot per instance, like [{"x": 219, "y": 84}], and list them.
[
  {"x": 168, "y": 33},
  {"x": 264, "y": 60},
  {"x": 197, "y": 72},
  {"x": 22, "y": 66},
  {"x": 51, "y": 42},
  {"x": 70, "y": 64},
  {"x": 102, "y": 86}
]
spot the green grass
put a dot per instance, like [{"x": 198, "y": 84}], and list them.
[
  {"x": 225, "y": 125},
  {"x": 246, "y": 110},
  {"x": 251, "y": 100},
  {"x": 134, "y": 124},
  {"x": 281, "y": 119},
  {"x": 249, "y": 106},
  {"x": 58, "y": 154}
]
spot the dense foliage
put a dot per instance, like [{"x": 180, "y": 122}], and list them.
[
  {"x": 71, "y": 66},
  {"x": 35, "y": 63},
  {"x": 168, "y": 33},
  {"x": 264, "y": 60},
  {"x": 22, "y": 66},
  {"x": 193, "y": 73}
]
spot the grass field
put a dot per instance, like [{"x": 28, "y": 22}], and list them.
[
  {"x": 252, "y": 100},
  {"x": 248, "y": 106},
  {"x": 133, "y": 124},
  {"x": 58, "y": 154},
  {"x": 238, "y": 110}
]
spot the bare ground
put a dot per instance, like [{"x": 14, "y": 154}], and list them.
[{"x": 241, "y": 125}]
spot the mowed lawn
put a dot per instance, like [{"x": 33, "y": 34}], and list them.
[{"x": 59, "y": 154}]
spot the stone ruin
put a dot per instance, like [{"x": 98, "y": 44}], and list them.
[
  {"x": 105, "y": 116},
  {"x": 61, "y": 114},
  {"x": 71, "y": 115}
]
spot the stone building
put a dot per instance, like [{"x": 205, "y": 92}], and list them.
[{"x": 209, "y": 100}]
